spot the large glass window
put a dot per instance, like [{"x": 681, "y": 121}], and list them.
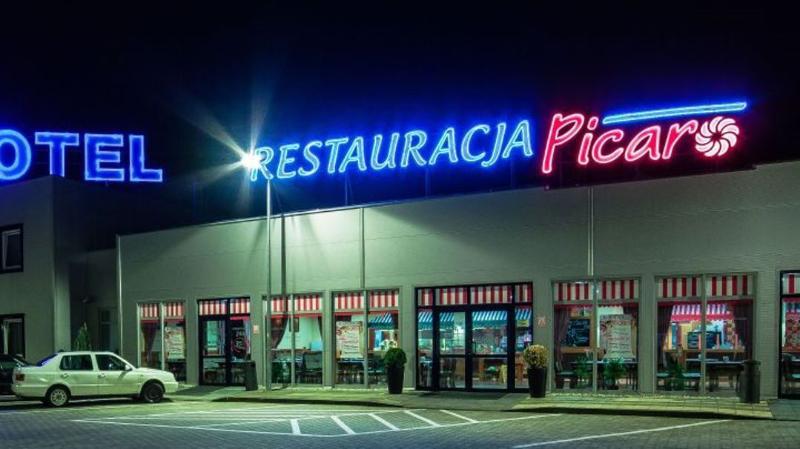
[
  {"x": 790, "y": 335},
  {"x": 704, "y": 332},
  {"x": 11, "y": 248},
  {"x": 162, "y": 337},
  {"x": 225, "y": 340},
  {"x": 452, "y": 349},
  {"x": 596, "y": 330},
  {"x": 383, "y": 331},
  {"x": 349, "y": 328},
  {"x": 296, "y": 344}
]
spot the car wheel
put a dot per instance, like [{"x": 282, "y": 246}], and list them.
[
  {"x": 152, "y": 393},
  {"x": 57, "y": 396}
]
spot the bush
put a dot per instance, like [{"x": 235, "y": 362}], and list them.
[
  {"x": 535, "y": 356},
  {"x": 395, "y": 358}
]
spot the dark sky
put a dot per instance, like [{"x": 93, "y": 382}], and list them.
[{"x": 172, "y": 72}]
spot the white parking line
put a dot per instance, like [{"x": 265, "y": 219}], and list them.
[
  {"x": 341, "y": 424},
  {"x": 384, "y": 422},
  {"x": 459, "y": 416},
  {"x": 295, "y": 427},
  {"x": 618, "y": 434},
  {"x": 422, "y": 418}
]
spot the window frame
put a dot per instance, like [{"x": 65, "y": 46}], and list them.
[
  {"x": 89, "y": 356},
  {"x": 5, "y": 233}
]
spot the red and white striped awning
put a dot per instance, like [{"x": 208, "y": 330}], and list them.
[
  {"x": 490, "y": 294},
  {"x": 573, "y": 291},
  {"x": 790, "y": 284},
  {"x": 384, "y": 299},
  {"x": 240, "y": 306},
  {"x": 452, "y": 296},
  {"x": 308, "y": 304},
  {"x": 213, "y": 307},
  {"x": 618, "y": 289},
  {"x": 729, "y": 285},
  {"x": 348, "y": 301},
  {"x": 678, "y": 287},
  {"x": 149, "y": 312},
  {"x": 691, "y": 312},
  {"x": 424, "y": 297},
  {"x": 524, "y": 293},
  {"x": 174, "y": 311},
  {"x": 279, "y": 305}
]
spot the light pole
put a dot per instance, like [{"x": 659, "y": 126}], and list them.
[{"x": 252, "y": 162}]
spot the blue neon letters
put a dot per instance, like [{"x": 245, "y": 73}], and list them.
[
  {"x": 340, "y": 155},
  {"x": 103, "y": 156}
]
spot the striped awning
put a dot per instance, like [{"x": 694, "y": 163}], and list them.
[
  {"x": 308, "y": 304},
  {"x": 730, "y": 285},
  {"x": 790, "y": 284},
  {"x": 279, "y": 306},
  {"x": 523, "y": 313},
  {"x": 382, "y": 321},
  {"x": 491, "y": 294},
  {"x": 348, "y": 301},
  {"x": 383, "y": 299},
  {"x": 452, "y": 296},
  {"x": 174, "y": 311},
  {"x": 149, "y": 312},
  {"x": 240, "y": 306},
  {"x": 678, "y": 287},
  {"x": 573, "y": 291},
  {"x": 524, "y": 293},
  {"x": 424, "y": 297},
  {"x": 213, "y": 307},
  {"x": 489, "y": 317},
  {"x": 618, "y": 289},
  {"x": 792, "y": 305}
]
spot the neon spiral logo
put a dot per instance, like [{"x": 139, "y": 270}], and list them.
[{"x": 716, "y": 137}]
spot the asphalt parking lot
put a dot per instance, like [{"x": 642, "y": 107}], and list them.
[{"x": 123, "y": 424}]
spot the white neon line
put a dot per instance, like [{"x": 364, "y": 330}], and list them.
[
  {"x": 459, "y": 416},
  {"x": 384, "y": 422},
  {"x": 422, "y": 418},
  {"x": 295, "y": 427},
  {"x": 341, "y": 424},
  {"x": 619, "y": 434},
  {"x": 674, "y": 112}
]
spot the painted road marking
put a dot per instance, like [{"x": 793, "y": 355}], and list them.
[
  {"x": 293, "y": 422},
  {"x": 384, "y": 422},
  {"x": 619, "y": 434},
  {"x": 459, "y": 416}
]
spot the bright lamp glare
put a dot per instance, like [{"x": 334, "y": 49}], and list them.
[{"x": 251, "y": 161}]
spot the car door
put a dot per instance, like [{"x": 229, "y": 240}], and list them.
[
  {"x": 78, "y": 373},
  {"x": 116, "y": 377}
]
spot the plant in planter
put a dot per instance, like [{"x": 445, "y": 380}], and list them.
[
  {"x": 613, "y": 370},
  {"x": 535, "y": 357},
  {"x": 582, "y": 369},
  {"x": 395, "y": 362},
  {"x": 676, "y": 380}
]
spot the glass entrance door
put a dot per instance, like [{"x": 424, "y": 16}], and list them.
[
  {"x": 489, "y": 349},
  {"x": 12, "y": 335},
  {"x": 452, "y": 350},
  {"x": 214, "y": 361}
]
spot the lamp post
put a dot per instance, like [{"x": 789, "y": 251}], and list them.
[{"x": 252, "y": 162}]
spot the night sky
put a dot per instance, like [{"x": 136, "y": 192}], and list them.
[{"x": 182, "y": 75}]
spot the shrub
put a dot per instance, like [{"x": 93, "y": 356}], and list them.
[
  {"x": 535, "y": 356},
  {"x": 395, "y": 358}
]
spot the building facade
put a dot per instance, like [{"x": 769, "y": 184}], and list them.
[{"x": 660, "y": 285}]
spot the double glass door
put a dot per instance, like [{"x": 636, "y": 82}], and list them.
[
  {"x": 224, "y": 348},
  {"x": 473, "y": 349}
]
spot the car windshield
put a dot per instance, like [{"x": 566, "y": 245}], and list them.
[{"x": 45, "y": 360}]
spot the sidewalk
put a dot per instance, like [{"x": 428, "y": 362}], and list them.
[{"x": 645, "y": 405}]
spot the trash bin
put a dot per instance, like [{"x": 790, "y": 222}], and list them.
[
  {"x": 250, "y": 379},
  {"x": 750, "y": 383}
]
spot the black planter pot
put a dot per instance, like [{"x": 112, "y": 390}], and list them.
[
  {"x": 537, "y": 382},
  {"x": 394, "y": 377}
]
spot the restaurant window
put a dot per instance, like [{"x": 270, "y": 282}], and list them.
[
  {"x": 790, "y": 335},
  {"x": 383, "y": 327},
  {"x": 225, "y": 340},
  {"x": 472, "y": 337},
  {"x": 596, "y": 330},
  {"x": 162, "y": 342},
  {"x": 704, "y": 332},
  {"x": 349, "y": 328},
  {"x": 296, "y": 339},
  {"x": 11, "y": 249}
]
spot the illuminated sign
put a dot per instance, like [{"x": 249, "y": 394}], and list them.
[
  {"x": 599, "y": 141},
  {"x": 102, "y": 156}
]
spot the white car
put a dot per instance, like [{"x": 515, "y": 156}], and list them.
[{"x": 82, "y": 374}]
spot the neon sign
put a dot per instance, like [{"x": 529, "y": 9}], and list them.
[
  {"x": 707, "y": 126},
  {"x": 103, "y": 156}
]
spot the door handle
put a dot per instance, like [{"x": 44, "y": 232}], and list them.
[
  {"x": 101, "y": 375},
  {"x": 64, "y": 376}
]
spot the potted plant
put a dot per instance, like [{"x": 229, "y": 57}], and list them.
[
  {"x": 676, "y": 379},
  {"x": 582, "y": 370},
  {"x": 613, "y": 370},
  {"x": 535, "y": 357},
  {"x": 395, "y": 362}
]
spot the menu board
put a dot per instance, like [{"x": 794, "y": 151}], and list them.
[
  {"x": 174, "y": 343},
  {"x": 578, "y": 333},
  {"x": 616, "y": 336},
  {"x": 348, "y": 339},
  {"x": 791, "y": 336}
]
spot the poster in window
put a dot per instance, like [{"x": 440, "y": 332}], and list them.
[
  {"x": 791, "y": 338},
  {"x": 348, "y": 339},
  {"x": 174, "y": 343},
  {"x": 240, "y": 342},
  {"x": 616, "y": 336},
  {"x": 578, "y": 333}
]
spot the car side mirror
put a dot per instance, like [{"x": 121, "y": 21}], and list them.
[{"x": 128, "y": 368}]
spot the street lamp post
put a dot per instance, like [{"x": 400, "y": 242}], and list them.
[{"x": 252, "y": 161}]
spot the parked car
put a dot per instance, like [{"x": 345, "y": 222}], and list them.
[
  {"x": 82, "y": 374},
  {"x": 7, "y": 365}
]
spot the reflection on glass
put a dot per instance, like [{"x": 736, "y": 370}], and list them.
[
  {"x": 281, "y": 347},
  {"x": 383, "y": 334},
  {"x": 150, "y": 343},
  {"x": 524, "y": 338},
  {"x": 573, "y": 354},
  {"x": 728, "y": 339},
  {"x": 425, "y": 348},
  {"x": 213, "y": 351},
  {"x": 489, "y": 372},
  {"x": 679, "y": 327},
  {"x": 175, "y": 347},
  {"x": 308, "y": 348},
  {"x": 489, "y": 332},
  {"x": 452, "y": 337},
  {"x": 617, "y": 349},
  {"x": 239, "y": 346},
  {"x": 349, "y": 328},
  {"x": 790, "y": 346},
  {"x": 452, "y": 372}
]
